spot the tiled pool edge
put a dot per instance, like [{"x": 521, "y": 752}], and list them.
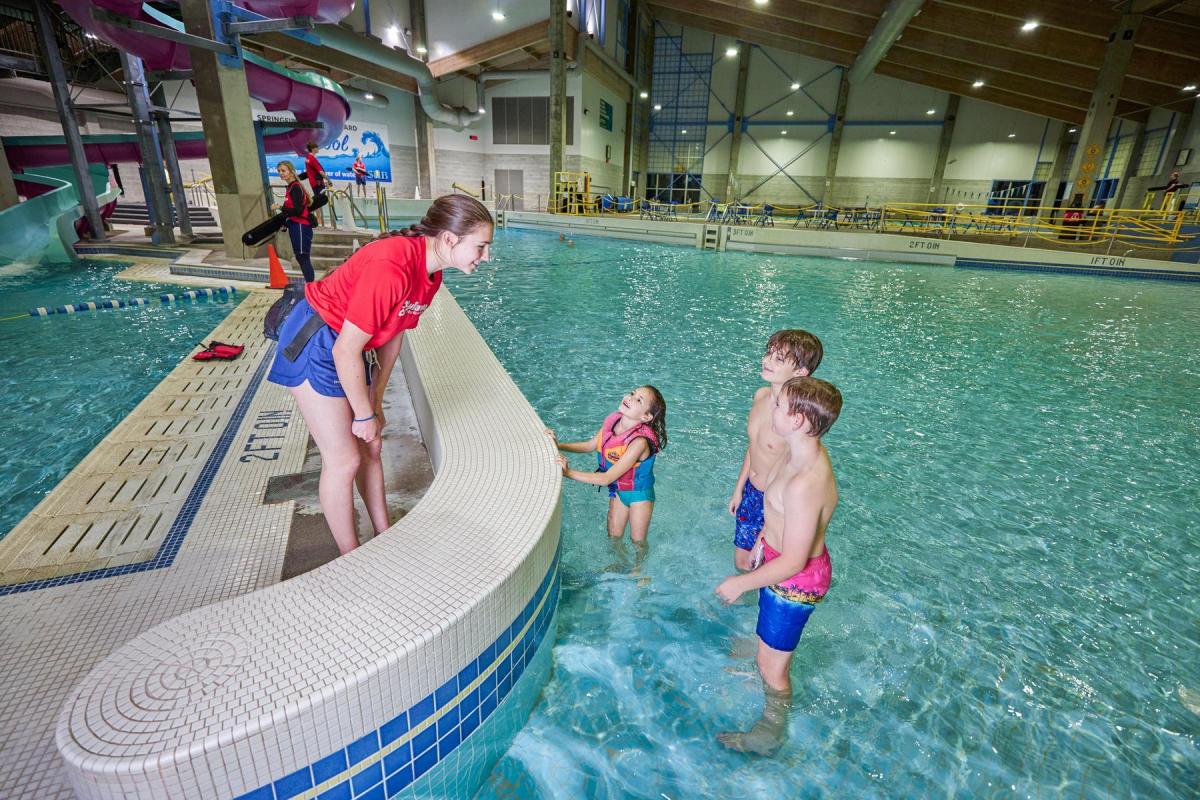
[{"x": 250, "y": 743}]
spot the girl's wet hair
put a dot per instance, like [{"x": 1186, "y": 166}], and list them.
[
  {"x": 459, "y": 214},
  {"x": 658, "y": 420}
]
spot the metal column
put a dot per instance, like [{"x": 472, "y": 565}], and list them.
[
  {"x": 8, "y": 188},
  {"x": 148, "y": 145},
  {"x": 558, "y": 87},
  {"x": 166, "y": 141},
  {"x": 1093, "y": 134},
  {"x": 835, "y": 140},
  {"x": 66, "y": 112},
  {"x": 938, "y": 180},
  {"x": 426, "y": 147},
  {"x": 732, "y": 183}
]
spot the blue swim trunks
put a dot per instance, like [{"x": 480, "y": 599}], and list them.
[
  {"x": 315, "y": 362},
  {"x": 780, "y": 620},
  {"x": 749, "y": 517}
]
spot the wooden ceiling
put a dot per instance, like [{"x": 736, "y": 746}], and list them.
[{"x": 1050, "y": 71}]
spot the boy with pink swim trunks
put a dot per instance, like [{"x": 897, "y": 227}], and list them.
[
  {"x": 791, "y": 353},
  {"x": 792, "y": 572}
]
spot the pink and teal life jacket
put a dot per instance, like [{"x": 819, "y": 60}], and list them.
[{"x": 610, "y": 446}]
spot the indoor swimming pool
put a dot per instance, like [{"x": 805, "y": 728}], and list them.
[
  {"x": 1012, "y": 611},
  {"x": 69, "y": 379}
]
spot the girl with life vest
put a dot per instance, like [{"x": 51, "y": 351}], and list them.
[
  {"x": 299, "y": 219},
  {"x": 363, "y": 307},
  {"x": 316, "y": 175},
  {"x": 626, "y": 446}
]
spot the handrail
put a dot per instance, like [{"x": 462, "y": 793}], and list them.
[{"x": 464, "y": 190}]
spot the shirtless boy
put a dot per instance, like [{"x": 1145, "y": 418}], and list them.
[
  {"x": 790, "y": 354},
  {"x": 795, "y": 570}
]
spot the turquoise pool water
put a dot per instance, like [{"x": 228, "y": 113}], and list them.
[
  {"x": 68, "y": 380},
  {"x": 1015, "y": 556}
]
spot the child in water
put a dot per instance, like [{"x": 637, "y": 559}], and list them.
[
  {"x": 625, "y": 447},
  {"x": 790, "y": 354},
  {"x": 791, "y": 568}
]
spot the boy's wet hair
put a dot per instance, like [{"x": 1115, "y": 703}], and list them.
[
  {"x": 799, "y": 347},
  {"x": 658, "y": 416},
  {"x": 818, "y": 401}
]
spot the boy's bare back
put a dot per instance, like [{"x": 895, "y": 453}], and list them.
[{"x": 809, "y": 491}]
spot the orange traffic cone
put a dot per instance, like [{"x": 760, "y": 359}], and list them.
[{"x": 279, "y": 278}]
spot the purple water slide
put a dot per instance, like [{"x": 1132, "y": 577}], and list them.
[{"x": 276, "y": 88}]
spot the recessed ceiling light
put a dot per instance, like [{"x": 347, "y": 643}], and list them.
[
  {"x": 730, "y": 52},
  {"x": 760, "y": 2},
  {"x": 791, "y": 113},
  {"x": 684, "y": 130},
  {"x": 891, "y": 133},
  {"x": 795, "y": 85},
  {"x": 1012, "y": 136},
  {"x": 368, "y": 96},
  {"x": 498, "y": 15},
  {"x": 783, "y": 133},
  {"x": 658, "y": 107},
  {"x": 1191, "y": 87},
  {"x": 643, "y": 95},
  {"x": 931, "y": 112},
  {"x": 1072, "y": 130},
  {"x": 977, "y": 83},
  {"x": 1028, "y": 26}
]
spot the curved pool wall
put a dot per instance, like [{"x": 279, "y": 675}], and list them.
[
  {"x": 402, "y": 669},
  {"x": 866, "y": 246}
]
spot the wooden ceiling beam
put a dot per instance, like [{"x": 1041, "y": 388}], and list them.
[
  {"x": 493, "y": 48},
  {"x": 1166, "y": 68},
  {"x": 987, "y": 29},
  {"x": 793, "y": 28},
  {"x": 811, "y": 13},
  {"x": 754, "y": 36},
  {"x": 989, "y": 94},
  {"x": 1029, "y": 65},
  {"x": 966, "y": 73},
  {"x": 1091, "y": 18}
]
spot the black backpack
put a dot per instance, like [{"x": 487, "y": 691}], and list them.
[{"x": 293, "y": 293}]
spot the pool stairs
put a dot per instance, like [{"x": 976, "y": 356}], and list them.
[
  {"x": 127, "y": 213},
  {"x": 331, "y": 247}
]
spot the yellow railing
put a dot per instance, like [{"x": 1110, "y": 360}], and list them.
[{"x": 1137, "y": 227}]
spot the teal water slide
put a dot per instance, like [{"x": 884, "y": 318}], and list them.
[{"x": 43, "y": 227}]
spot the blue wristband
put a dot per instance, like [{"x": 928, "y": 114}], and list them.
[{"x": 365, "y": 419}]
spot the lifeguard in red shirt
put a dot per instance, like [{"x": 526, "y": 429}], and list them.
[
  {"x": 360, "y": 174},
  {"x": 338, "y": 346},
  {"x": 316, "y": 176}
]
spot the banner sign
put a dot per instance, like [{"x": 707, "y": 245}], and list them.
[
  {"x": 366, "y": 139},
  {"x": 606, "y": 114}
]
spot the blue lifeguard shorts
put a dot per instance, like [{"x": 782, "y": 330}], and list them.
[
  {"x": 314, "y": 363},
  {"x": 749, "y": 517}
]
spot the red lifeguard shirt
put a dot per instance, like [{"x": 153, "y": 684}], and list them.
[
  {"x": 316, "y": 173},
  {"x": 383, "y": 289}
]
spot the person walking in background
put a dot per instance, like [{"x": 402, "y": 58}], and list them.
[
  {"x": 360, "y": 174},
  {"x": 316, "y": 176}
]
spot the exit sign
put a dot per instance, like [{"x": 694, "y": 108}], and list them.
[{"x": 605, "y": 116}]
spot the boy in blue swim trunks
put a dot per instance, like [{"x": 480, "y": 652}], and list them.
[{"x": 791, "y": 353}]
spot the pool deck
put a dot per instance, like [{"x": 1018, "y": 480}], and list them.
[{"x": 165, "y": 515}]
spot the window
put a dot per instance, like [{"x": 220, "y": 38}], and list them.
[
  {"x": 673, "y": 187},
  {"x": 1015, "y": 197},
  {"x": 526, "y": 120}
]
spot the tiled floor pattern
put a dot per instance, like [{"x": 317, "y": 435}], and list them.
[{"x": 51, "y": 637}]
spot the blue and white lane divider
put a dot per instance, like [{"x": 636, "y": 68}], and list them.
[{"x": 133, "y": 302}]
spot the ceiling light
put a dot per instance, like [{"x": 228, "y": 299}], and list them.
[
  {"x": 658, "y": 106},
  {"x": 1191, "y": 87},
  {"x": 783, "y": 133},
  {"x": 422, "y": 49},
  {"x": 977, "y": 83},
  {"x": 760, "y": 2},
  {"x": 684, "y": 130},
  {"x": 730, "y": 52},
  {"x": 643, "y": 95},
  {"x": 498, "y": 15},
  {"x": 891, "y": 133},
  {"x": 1028, "y": 26},
  {"x": 1072, "y": 130},
  {"x": 1012, "y": 136},
  {"x": 930, "y": 112},
  {"x": 791, "y": 113},
  {"x": 368, "y": 96},
  {"x": 795, "y": 85}
]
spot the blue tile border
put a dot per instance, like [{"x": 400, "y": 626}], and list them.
[
  {"x": 404, "y": 755},
  {"x": 187, "y": 512},
  {"x": 144, "y": 250},
  {"x": 1105, "y": 272}
]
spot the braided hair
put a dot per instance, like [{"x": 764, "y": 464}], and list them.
[{"x": 458, "y": 213}]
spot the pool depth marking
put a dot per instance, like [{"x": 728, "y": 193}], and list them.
[{"x": 187, "y": 512}]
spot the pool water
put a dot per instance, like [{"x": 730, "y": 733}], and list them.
[
  {"x": 68, "y": 380},
  {"x": 1013, "y": 612}
]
